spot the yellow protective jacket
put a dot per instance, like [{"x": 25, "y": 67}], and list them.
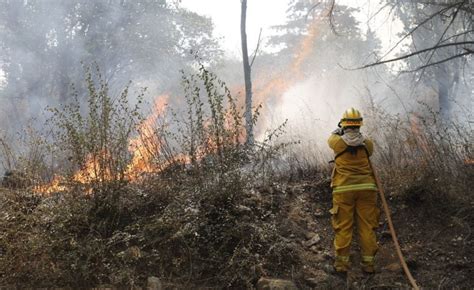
[{"x": 351, "y": 172}]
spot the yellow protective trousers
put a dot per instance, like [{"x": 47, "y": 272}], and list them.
[{"x": 362, "y": 207}]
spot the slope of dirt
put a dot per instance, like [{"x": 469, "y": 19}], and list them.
[
  {"x": 435, "y": 236},
  {"x": 435, "y": 240}
]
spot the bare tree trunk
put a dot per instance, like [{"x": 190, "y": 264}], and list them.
[{"x": 247, "y": 76}]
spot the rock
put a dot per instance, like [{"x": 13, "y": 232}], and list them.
[
  {"x": 244, "y": 209},
  {"x": 318, "y": 213},
  {"x": 310, "y": 235},
  {"x": 327, "y": 256},
  {"x": 153, "y": 283},
  {"x": 319, "y": 279},
  {"x": 328, "y": 269},
  {"x": 394, "y": 267},
  {"x": 275, "y": 284},
  {"x": 314, "y": 240},
  {"x": 314, "y": 249},
  {"x": 319, "y": 257},
  {"x": 131, "y": 253}
]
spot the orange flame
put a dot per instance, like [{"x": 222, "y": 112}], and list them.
[
  {"x": 143, "y": 148},
  {"x": 95, "y": 168},
  {"x": 146, "y": 145},
  {"x": 273, "y": 90},
  {"x": 56, "y": 185}
]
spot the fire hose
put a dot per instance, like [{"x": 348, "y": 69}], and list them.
[{"x": 392, "y": 230}]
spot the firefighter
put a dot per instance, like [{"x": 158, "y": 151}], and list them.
[{"x": 354, "y": 192}]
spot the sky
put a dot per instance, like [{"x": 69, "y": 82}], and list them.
[{"x": 263, "y": 14}]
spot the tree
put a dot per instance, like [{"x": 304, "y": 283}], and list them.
[
  {"x": 442, "y": 42},
  {"x": 332, "y": 32},
  {"x": 452, "y": 24},
  {"x": 42, "y": 45},
  {"x": 247, "y": 75}
]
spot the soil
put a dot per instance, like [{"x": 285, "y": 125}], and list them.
[
  {"x": 435, "y": 239},
  {"x": 434, "y": 233}
]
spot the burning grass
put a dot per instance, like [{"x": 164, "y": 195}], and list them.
[
  {"x": 171, "y": 197},
  {"x": 425, "y": 152}
]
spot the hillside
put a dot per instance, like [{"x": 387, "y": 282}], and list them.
[{"x": 278, "y": 231}]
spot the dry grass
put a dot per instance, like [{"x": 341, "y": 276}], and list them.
[
  {"x": 422, "y": 154},
  {"x": 199, "y": 219}
]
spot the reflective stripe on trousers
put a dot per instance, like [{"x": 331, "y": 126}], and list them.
[
  {"x": 342, "y": 258},
  {"x": 368, "y": 259},
  {"x": 355, "y": 187}
]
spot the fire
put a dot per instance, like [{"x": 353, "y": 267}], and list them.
[
  {"x": 95, "y": 168},
  {"x": 145, "y": 149},
  {"x": 272, "y": 91},
  {"x": 418, "y": 133},
  {"x": 56, "y": 185},
  {"x": 98, "y": 167},
  {"x": 278, "y": 85},
  {"x": 146, "y": 145},
  {"x": 306, "y": 47}
]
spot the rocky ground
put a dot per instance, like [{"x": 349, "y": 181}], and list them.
[
  {"x": 435, "y": 236},
  {"x": 435, "y": 239}
]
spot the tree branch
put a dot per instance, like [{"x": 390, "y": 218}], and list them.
[
  {"x": 439, "y": 41},
  {"x": 256, "y": 48},
  {"x": 465, "y": 9},
  {"x": 457, "y": 35},
  {"x": 420, "y": 25},
  {"x": 441, "y": 61},
  {"x": 331, "y": 16},
  {"x": 468, "y": 50},
  {"x": 310, "y": 10},
  {"x": 416, "y": 53}
]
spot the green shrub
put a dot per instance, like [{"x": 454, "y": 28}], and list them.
[
  {"x": 196, "y": 216},
  {"x": 96, "y": 138}
]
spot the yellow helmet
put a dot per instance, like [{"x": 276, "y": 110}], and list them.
[{"x": 351, "y": 117}]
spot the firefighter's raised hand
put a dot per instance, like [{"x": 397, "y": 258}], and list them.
[{"x": 338, "y": 131}]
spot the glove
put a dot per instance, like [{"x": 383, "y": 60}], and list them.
[{"x": 338, "y": 131}]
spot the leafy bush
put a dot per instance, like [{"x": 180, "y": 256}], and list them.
[
  {"x": 196, "y": 216},
  {"x": 96, "y": 142},
  {"x": 213, "y": 230}
]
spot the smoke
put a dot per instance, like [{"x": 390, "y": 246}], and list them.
[
  {"x": 313, "y": 104},
  {"x": 45, "y": 44},
  {"x": 312, "y": 88}
]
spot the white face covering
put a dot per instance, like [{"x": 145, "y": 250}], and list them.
[{"x": 353, "y": 137}]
